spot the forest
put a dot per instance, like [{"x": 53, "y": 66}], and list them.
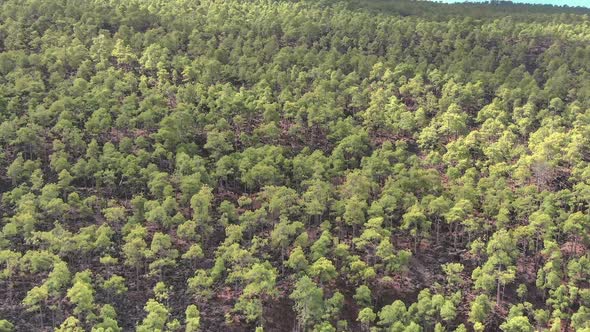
[{"x": 306, "y": 166}]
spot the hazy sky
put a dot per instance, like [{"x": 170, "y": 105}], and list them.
[{"x": 584, "y": 3}]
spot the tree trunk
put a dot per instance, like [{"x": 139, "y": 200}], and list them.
[
  {"x": 454, "y": 230},
  {"x": 498, "y": 293},
  {"x": 437, "y": 228}
]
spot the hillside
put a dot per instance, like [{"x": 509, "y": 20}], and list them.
[{"x": 208, "y": 165}]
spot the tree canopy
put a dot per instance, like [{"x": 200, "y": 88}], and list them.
[{"x": 329, "y": 165}]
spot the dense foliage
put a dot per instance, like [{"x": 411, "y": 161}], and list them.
[{"x": 267, "y": 165}]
